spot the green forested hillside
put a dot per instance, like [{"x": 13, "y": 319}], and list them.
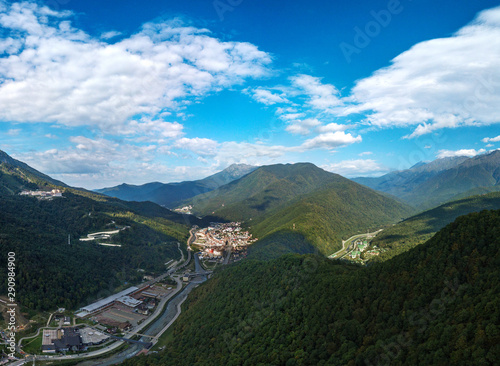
[
  {"x": 474, "y": 173},
  {"x": 322, "y": 207},
  {"x": 49, "y": 272},
  {"x": 335, "y": 212},
  {"x": 22, "y": 175},
  {"x": 429, "y": 185},
  {"x": 417, "y": 229},
  {"x": 262, "y": 190},
  {"x": 437, "y": 304},
  {"x": 280, "y": 243}
]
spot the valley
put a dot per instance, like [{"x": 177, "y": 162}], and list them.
[
  {"x": 289, "y": 216},
  {"x": 249, "y": 183},
  {"x": 132, "y": 321}
]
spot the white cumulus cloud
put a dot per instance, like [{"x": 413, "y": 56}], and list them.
[
  {"x": 351, "y": 168},
  {"x": 461, "y": 152},
  {"x": 491, "y": 139},
  {"x": 303, "y": 127},
  {"x": 320, "y": 96},
  {"x": 53, "y": 72},
  {"x": 330, "y": 140},
  {"x": 266, "y": 96},
  {"x": 200, "y": 146},
  {"x": 440, "y": 83}
]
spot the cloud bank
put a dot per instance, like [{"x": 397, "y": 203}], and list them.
[
  {"x": 440, "y": 83},
  {"x": 52, "y": 72}
]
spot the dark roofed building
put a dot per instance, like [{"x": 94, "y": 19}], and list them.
[{"x": 68, "y": 340}]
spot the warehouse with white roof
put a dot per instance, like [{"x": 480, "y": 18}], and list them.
[{"x": 104, "y": 303}]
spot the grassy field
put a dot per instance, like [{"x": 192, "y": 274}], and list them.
[{"x": 33, "y": 346}]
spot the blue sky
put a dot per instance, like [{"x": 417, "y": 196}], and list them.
[{"x": 97, "y": 93}]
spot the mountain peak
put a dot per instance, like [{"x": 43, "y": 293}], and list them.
[
  {"x": 239, "y": 167},
  {"x": 25, "y": 174},
  {"x": 6, "y": 158}
]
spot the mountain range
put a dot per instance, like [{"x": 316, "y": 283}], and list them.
[
  {"x": 428, "y": 185},
  {"x": 302, "y": 199},
  {"x": 432, "y": 298},
  {"x": 423, "y": 186},
  {"x": 169, "y": 194}
]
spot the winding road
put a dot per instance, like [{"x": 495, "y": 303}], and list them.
[{"x": 158, "y": 322}]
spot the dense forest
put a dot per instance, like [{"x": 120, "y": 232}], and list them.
[
  {"x": 51, "y": 273},
  {"x": 437, "y": 304}
]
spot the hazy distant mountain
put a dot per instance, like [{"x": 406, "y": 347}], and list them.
[
  {"x": 301, "y": 199},
  {"x": 400, "y": 183},
  {"x": 168, "y": 194},
  {"x": 428, "y": 185}
]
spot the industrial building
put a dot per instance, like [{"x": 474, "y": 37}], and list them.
[
  {"x": 129, "y": 301},
  {"x": 104, "y": 303},
  {"x": 62, "y": 340}
]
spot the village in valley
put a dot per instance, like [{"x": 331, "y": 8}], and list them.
[
  {"x": 125, "y": 315},
  {"x": 222, "y": 242},
  {"x": 362, "y": 251}
]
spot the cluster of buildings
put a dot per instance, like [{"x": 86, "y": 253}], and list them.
[
  {"x": 219, "y": 236},
  {"x": 43, "y": 194},
  {"x": 373, "y": 252},
  {"x": 71, "y": 339},
  {"x": 105, "y": 303},
  {"x": 359, "y": 247},
  {"x": 184, "y": 210},
  {"x": 126, "y": 309}
]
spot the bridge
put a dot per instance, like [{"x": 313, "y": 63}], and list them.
[
  {"x": 146, "y": 335},
  {"x": 145, "y": 344}
]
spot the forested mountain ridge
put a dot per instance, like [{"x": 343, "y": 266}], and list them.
[
  {"x": 437, "y": 304},
  {"x": 419, "y": 228},
  {"x": 300, "y": 199},
  {"x": 169, "y": 194},
  {"x": 52, "y": 272},
  {"x": 445, "y": 180},
  {"x": 16, "y": 175},
  {"x": 399, "y": 183}
]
